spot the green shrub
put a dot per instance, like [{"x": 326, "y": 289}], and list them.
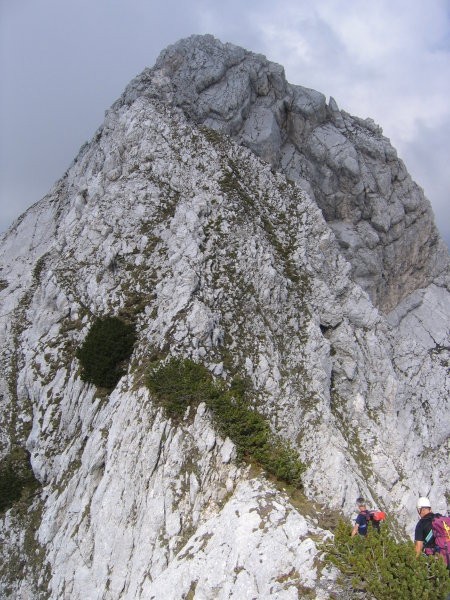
[
  {"x": 105, "y": 351},
  {"x": 282, "y": 461},
  {"x": 10, "y": 487},
  {"x": 180, "y": 383},
  {"x": 16, "y": 478},
  {"x": 387, "y": 569}
]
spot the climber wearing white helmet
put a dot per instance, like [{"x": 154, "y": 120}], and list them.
[{"x": 423, "y": 535}]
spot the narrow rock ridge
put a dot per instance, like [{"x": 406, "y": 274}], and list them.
[{"x": 381, "y": 218}]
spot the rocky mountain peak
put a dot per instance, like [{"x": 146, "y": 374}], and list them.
[
  {"x": 215, "y": 256},
  {"x": 381, "y": 218}
]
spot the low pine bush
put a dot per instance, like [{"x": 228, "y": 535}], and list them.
[
  {"x": 10, "y": 487},
  {"x": 180, "y": 383},
  {"x": 105, "y": 351},
  {"x": 386, "y": 569},
  {"x": 17, "y": 479}
]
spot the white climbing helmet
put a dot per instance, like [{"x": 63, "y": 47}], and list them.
[{"x": 423, "y": 503}]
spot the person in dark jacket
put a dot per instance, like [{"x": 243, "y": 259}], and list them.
[
  {"x": 423, "y": 535},
  {"x": 362, "y": 519}
]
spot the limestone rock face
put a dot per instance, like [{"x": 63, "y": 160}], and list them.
[
  {"x": 217, "y": 257},
  {"x": 380, "y": 217}
]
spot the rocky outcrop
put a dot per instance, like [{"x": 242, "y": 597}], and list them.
[
  {"x": 216, "y": 257},
  {"x": 380, "y": 217}
]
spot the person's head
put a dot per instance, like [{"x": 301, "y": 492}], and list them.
[
  {"x": 361, "y": 503},
  {"x": 423, "y": 506}
]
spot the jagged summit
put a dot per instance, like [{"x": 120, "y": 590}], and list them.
[
  {"x": 213, "y": 255},
  {"x": 382, "y": 220}
]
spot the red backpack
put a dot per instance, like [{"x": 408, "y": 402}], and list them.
[{"x": 377, "y": 515}]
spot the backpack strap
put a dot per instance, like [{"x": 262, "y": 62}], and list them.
[{"x": 428, "y": 536}]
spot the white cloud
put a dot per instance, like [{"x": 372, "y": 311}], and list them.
[{"x": 386, "y": 60}]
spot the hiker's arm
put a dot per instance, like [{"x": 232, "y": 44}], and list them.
[
  {"x": 419, "y": 547},
  {"x": 355, "y": 530}
]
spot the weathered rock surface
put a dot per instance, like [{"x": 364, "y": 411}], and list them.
[
  {"x": 380, "y": 217},
  {"x": 225, "y": 261}
]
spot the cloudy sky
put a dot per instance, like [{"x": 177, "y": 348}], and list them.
[{"x": 63, "y": 62}]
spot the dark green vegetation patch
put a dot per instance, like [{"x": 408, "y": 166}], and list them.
[
  {"x": 105, "y": 351},
  {"x": 385, "y": 569},
  {"x": 180, "y": 383},
  {"x": 17, "y": 479}
]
